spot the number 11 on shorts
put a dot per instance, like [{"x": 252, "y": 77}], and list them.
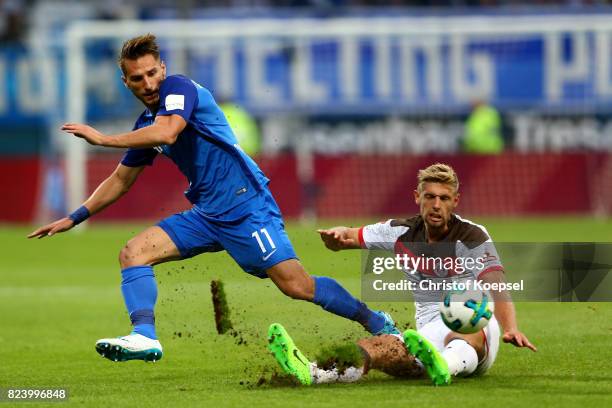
[{"x": 260, "y": 242}]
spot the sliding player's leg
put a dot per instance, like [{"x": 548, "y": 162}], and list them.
[
  {"x": 445, "y": 353},
  {"x": 293, "y": 362},
  {"x": 428, "y": 355},
  {"x": 385, "y": 353},
  {"x": 486, "y": 347},
  {"x": 459, "y": 351},
  {"x": 388, "y": 354},
  {"x": 288, "y": 356},
  {"x": 471, "y": 354}
]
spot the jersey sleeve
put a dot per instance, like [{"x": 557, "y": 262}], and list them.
[
  {"x": 490, "y": 259},
  {"x": 485, "y": 256},
  {"x": 139, "y": 157},
  {"x": 177, "y": 96},
  {"x": 380, "y": 236}
]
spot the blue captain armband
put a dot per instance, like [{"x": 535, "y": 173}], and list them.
[{"x": 79, "y": 215}]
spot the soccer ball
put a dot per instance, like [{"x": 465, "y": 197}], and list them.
[{"x": 466, "y": 311}]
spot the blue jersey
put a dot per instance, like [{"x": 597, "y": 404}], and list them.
[{"x": 224, "y": 182}]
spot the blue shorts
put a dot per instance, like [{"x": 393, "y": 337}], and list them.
[{"x": 256, "y": 242}]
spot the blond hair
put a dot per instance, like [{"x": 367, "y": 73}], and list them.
[
  {"x": 138, "y": 47},
  {"x": 438, "y": 173}
]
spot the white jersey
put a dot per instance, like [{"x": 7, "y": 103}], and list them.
[{"x": 465, "y": 240}]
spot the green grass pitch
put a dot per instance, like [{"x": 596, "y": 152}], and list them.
[{"x": 59, "y": 295}]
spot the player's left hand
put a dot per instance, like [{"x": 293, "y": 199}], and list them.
[
  {"x": 91, "y": 135},
  {"x": 518, "y": 339}
]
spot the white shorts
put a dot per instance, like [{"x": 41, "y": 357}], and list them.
[{"x": 436, "y": 331}]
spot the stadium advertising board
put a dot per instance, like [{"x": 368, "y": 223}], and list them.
[
  {"x": 342, "y": 134},
  {"x": 566, "y": 71}
]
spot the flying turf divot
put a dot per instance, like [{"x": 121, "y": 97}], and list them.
[
  {"x": 222, "y": 312},
  {"x": 340, "y": 357}
]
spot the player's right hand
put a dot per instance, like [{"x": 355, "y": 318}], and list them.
[
  {"x": 517, "y": 339},
  {"x": 337, "y": 238},
  {"x": 57, "y": 226}
]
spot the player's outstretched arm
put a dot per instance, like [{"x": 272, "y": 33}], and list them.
[
  {"x": 109, "y": 191},
  {"x": 164, "y": 130},
  {"x": 48, "y": 230},
  {"x": 506, "y": 314},
  {"x": 338, "y": 238}
]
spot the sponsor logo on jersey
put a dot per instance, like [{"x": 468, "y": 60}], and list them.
[
  {"x": 174, "y": 102},
  {"x": 265, "y": 258}
]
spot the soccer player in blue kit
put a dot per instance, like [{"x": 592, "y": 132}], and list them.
[{"x": 233, "y": 209}]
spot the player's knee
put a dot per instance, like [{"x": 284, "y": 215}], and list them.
[
  {"x": 291, "y": 278},
  {"x": 476, "y": 340},
  {"x": 130, "y": 255}
]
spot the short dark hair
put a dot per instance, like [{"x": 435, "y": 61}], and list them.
[{"x": 138, "y": 47}]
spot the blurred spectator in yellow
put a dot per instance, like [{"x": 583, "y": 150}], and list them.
[
  {"x": 243, "y": 125},
  {"x": 483, "y": 130}
]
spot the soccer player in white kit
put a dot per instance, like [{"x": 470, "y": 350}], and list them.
[{"x": 442, "y": 351}]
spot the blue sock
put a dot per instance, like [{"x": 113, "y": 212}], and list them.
[
  {"x": 140, "y": 294},
  {"x": 335, "y": 299}
]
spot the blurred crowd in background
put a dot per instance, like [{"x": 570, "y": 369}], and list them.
[
  {"x": 346, "y": 115},
  {"x": 16, "y": 16}
]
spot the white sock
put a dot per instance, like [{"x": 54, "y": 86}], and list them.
[
  {"x": 351, "y": 374},
  {"x": 461, "y": 358},
  {"x": 320, "y": 376}
]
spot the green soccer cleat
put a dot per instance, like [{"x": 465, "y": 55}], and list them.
[
  {"x": 291, "y": 360},
  {"x": 434, "y": 363}
]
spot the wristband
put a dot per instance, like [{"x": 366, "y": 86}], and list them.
[{"x": 79, "y": 215}]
